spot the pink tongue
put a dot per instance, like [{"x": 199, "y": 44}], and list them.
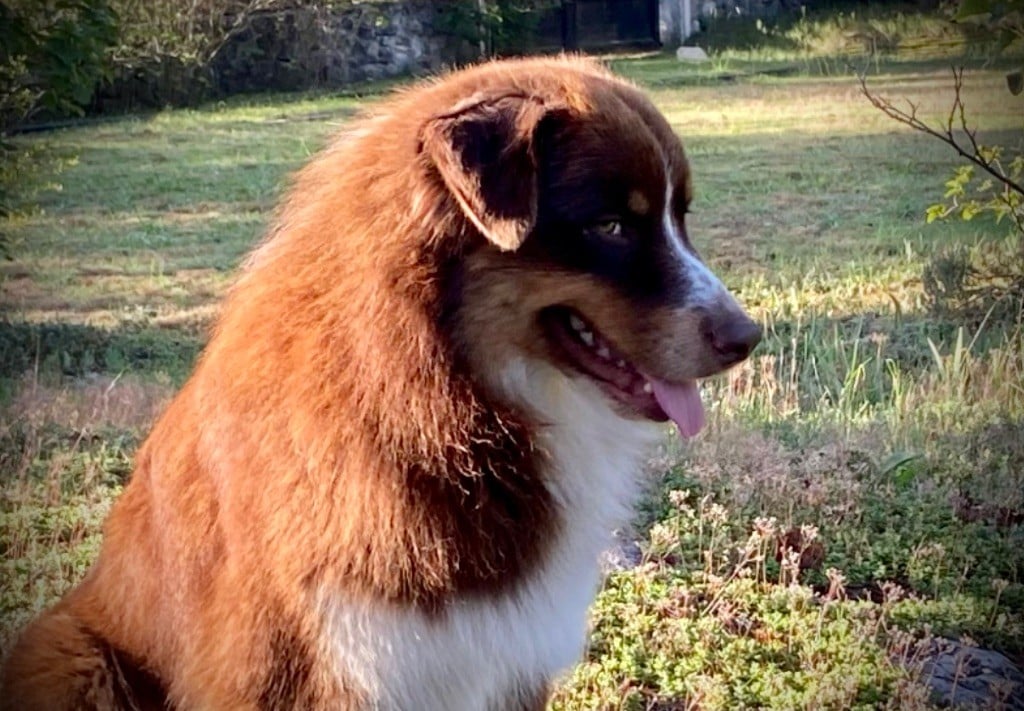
[{"x": 681, "y": 403}]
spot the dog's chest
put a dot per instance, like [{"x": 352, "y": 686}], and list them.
[
  {"x": 483, "y": 651},
  {"x": 480, "y": 653}
]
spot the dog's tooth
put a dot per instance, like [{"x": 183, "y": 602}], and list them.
[
  {"x": 621, "y": 363},
  {"x": 603, "y": 352},
  {"x": 576, "y": 322},
  {"x": 648, "y": 388},
  {"x": 587, "y": 337}
]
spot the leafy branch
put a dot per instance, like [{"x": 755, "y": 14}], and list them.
[
  {"x": 983, "y": 157},
  {"x": 1003, "y": 192},
  {"x": 956, "y": 281}
]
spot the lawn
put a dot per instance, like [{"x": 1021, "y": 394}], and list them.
[{"x": 883, "y": 441}]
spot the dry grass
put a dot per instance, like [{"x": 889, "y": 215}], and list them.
[
  {"x": 65, "y": 451},
  {"x": 50, "y": 429}
]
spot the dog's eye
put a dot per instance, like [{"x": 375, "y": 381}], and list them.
[{"x": 607, "y": 229}]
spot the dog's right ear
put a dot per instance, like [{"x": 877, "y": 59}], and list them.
[{"x": 484, "y": 151}]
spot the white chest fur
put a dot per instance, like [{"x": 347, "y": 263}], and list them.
[{"x": 482, "y": 648}]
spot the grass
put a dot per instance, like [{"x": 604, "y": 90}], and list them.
[{"x": 860, "y": 486}]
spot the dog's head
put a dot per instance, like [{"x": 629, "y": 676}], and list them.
[{"x": 581, "y": 189}]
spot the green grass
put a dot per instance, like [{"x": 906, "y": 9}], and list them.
[{"x": 888, "y": 435}]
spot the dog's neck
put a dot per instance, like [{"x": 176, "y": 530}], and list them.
[
  {"x": 590, "y": 457},
  {"x": 594, "y": 452}
]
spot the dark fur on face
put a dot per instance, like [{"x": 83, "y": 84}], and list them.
[{"x": 608, "y": 245}]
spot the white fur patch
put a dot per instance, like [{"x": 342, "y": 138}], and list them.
[
  {"x": 706, "y": 289},
  {"x": 475, "y": 655}
]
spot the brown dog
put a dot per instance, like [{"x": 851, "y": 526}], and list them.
[{"x": 420, "y": 415}]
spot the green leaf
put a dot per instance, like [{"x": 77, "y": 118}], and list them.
[
  {"x": 970, "y": 210},
  {"x": 955, "y": 185},
  {"x": 896, "y": 460},
  {"x": 989, "y": 153},
  {"x": 1006, "y": 37},
  {"x": 935, "y": 212},
  {"x": 973, "y": 10}
]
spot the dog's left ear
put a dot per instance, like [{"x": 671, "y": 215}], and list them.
[{"x": 484, "y": 150}]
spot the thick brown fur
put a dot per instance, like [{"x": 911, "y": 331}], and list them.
[
  {"x": 335, "y": 435},
  {"x": 305, "y": 451}
]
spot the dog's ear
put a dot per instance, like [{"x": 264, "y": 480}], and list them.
[{"x": 484, "y": 150}]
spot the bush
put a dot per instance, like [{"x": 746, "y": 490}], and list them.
[
  {"x": 53, "y": 54},
  {"x": 496, "y": 26}
]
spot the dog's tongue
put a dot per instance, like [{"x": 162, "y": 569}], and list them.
[{"x": 681, "y": 403}]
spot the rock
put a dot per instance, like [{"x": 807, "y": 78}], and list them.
[
  {"x": 691, "y": 54},
  {"x": 967, "y": 677},
  {"x": 625, "y": 554}
]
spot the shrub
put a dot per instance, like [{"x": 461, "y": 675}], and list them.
[
  {"x": 52, "y": 55},
  {"x": 496, "y": 26}
]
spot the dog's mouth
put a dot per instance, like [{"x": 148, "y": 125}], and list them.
[{"x": 584, "y": 348}]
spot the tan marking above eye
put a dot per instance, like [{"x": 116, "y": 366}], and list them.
[{"x": 639, "y": 203}]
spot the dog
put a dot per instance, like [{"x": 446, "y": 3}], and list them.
[{"x": 419, "y": 416}]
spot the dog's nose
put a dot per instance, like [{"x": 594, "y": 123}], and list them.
[{"x": 734, "y": 338}]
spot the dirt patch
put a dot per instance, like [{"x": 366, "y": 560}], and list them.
[
  {"x": 765, "y": 474},
  {"x": 201, "y": 211},
  {"x": 99, "y": 272},
  {"x": 21, "y": 291},
  {"x": 195, "y": 321},
  {"x": 99, "y": 290},
  {"x": 731, "y": 243},
  {"x": 14, "y": 271}
]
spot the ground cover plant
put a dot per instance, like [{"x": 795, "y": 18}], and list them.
[{"x": 859, "y": 490}]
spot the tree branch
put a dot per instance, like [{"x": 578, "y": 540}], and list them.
[{"x": 957, "y": 113}]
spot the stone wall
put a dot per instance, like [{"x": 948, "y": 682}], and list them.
[{"x": 333, "y": 45}]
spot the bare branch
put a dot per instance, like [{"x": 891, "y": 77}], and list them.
[
  {"x": 972, "y": 134},
  {"x": 1016, "y": 214},
  {"x": 957, "y": 113},
  {"x": 956, "y": 102}
]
